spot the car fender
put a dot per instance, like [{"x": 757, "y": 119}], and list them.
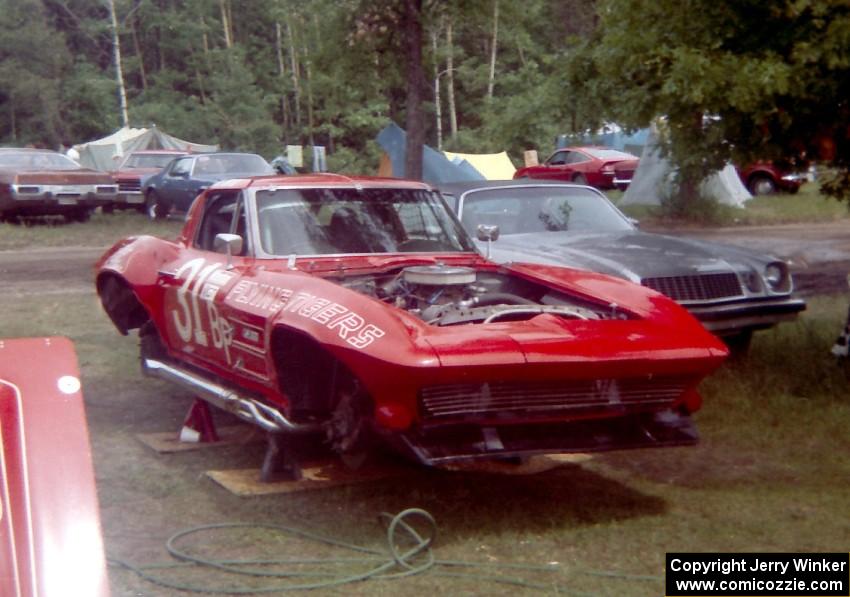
[
  {"x": 640, "y": 301},
  {"x": 50, "y": 534}
]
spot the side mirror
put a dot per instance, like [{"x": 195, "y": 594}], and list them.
[
  {"x": 634, "y": 222},
  {"x": 228, "y": 243},
  {"x": 489, "y": 233}
]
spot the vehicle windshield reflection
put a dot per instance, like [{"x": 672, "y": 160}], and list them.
[
  {"x": 37, "y": 161},
  {"x": 519, "y": 210},
  {"x": 340, "y": 221}
]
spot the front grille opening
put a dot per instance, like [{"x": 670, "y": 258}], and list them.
[
  {"x": 511, "y": 400},
  {"x": 701, "y": 287}
]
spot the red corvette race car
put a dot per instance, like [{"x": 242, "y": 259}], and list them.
[
  {"x": 50, "y": 538},
  {"x": 359, "y": 309}
]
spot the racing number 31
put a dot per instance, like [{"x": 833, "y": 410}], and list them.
[{"x": 188, "y": 318}]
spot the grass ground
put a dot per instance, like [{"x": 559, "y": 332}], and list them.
[
  {"x": 101, "y": 231},
  {"x": 808, "y": 205},
  {"x": 770, "y": 474}
]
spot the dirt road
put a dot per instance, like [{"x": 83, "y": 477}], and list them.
[
  {"x": 819, "y": 255},
  {"x": 48, "y": 271}
]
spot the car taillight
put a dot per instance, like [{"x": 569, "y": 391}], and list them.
[
  {"x": 608, "y": 169},
  {"x": 27, "y": 189}
]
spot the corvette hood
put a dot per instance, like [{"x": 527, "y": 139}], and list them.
[{"x": 632, "y": 255}]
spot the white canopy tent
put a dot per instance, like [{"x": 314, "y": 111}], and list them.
[
  {"x": 653, "y": 180},
  {"x": 100, "y": 153}
]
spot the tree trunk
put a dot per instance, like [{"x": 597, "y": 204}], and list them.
[
  {"x": 450, "y": 70},
  {"x": 225, "y": 23},
  {"x": 200, "y": 85},
  {"x": 141, "y": 57},
  {"x": 309, "y": 83},
  {"x": 415, "y": 121},
  {"x": 491, "y": 81},
  {"x": 204, "y": 37},
  {"x": 296, "y": 86},
  {"x": 438, "y": 110},
  {"x": 119, "y": 74},
  {"x": 281, "y": 71}
]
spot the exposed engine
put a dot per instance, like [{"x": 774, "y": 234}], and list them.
[{"x": 451, "y": 295}]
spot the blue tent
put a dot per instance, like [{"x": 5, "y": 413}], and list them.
[
  {"x": 615, "y": 139},
  {"x": 436, "y": 168}
]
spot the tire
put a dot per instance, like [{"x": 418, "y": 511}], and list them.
[
  {"x": 580, "y": 179},
  {"x": 739, "y": 344},
  {"x": 155, "y": 208},
  {"x": 761, "y": 184},
  {"x": 108, "y": 208},
  {"x": 150, "y": 344}
]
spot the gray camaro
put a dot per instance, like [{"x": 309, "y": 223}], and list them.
[{"x": 731, "y": 290}]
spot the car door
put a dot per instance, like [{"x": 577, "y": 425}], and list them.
[
  {"x": 558, "y": 166},
  {"x": 578, "y": 165},
  {"x": 199, "y": 320},
  {"x": 174, "y": 180}
]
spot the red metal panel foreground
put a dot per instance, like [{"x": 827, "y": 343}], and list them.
[{"x": 50, "y": 536}]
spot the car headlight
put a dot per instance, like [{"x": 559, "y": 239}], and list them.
[{"x": 776, "y": 276}]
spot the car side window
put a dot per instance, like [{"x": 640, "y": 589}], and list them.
[
  {"x": 181, "y": 167},
  {"x": 575, "y": 157},
  {"x": 558, "y": 159},
  {"x": 224, "y": 213}
]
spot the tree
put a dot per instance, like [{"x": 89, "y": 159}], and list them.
[{"x": 733, "y": 79}]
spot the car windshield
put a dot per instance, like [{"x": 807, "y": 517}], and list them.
[
  {"x": 148, "y": 160},
  {"x": 339, "y": 221},
  {"x": 609, "y": 154},
  {"x": 520, "y": 210},
  {"x": 224, "y": 163},
  {"x": 37, "y": 161}
]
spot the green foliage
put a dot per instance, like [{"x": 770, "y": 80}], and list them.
[
  {"x": 739, "y": 80},
  {"x": 314, "y": 72}
]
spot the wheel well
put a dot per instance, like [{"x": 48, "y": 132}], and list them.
[
  {"x": 120, "y": 303},
  {"x": 760, "y": 174},
  {"x": 309, "y": 376}
]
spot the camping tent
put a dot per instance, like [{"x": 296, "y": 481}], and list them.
[
  {"x": 492, "y": 166},
  {"x": 436, "y": 168},
  {"x": 653, "y": 179},
  {"x": 611, "y": 136},
  {"x": 99, "y": 154}
]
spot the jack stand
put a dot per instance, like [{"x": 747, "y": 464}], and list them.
[
  {"x": 198, "y": 426},
  {"x": 280, "y": 462}
]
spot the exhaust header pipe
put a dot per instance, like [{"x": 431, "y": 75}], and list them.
[{"x": 248, "y": 409}]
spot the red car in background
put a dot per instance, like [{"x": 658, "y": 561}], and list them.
[
  {"x": 129, "y": 173},
  {"x": 599, "y": 167},
  {"x": 766, "y": 178}
]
